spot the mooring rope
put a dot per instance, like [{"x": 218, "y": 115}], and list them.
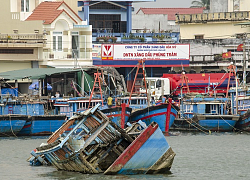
[{"x": 11, "y": 127}]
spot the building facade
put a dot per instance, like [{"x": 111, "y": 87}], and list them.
[
  {"x": 217, "y": 33},
  {"x": 41, "y": 34}
]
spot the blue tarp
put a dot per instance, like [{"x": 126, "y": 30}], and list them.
[
  {"x": 35, "y": 85},
  {"x": 12, "y": 91}
]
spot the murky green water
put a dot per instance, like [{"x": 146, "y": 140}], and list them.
[{"x": 198, "y": 156}]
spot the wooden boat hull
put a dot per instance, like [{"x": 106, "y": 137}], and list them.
[
  {"x": 96, "y": 145},
  {"x": 244, "y": 122},
  {"x": 42, "y": 125},
  {"x": 149, "y": 153},
  {"x": 156, "y": 114},
  {"x": 10, "y": 125},
  {"x": 217, "y": 122},
  {"x": 24, "y": 109}
]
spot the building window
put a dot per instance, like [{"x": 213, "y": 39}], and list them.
[
  {"x": 57, "y": 41},
  {"x": 105, "y": 22},
  {"x": 25, "y": 5},
  {"x": 199, "y": 37}
]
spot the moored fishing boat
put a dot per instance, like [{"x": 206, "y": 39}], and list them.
[
  {"x": 97, "y": 145},
  {"x": 240, "y": 105},
  {"x": 163, "y": 114},
  {"x": 217, "y": 122},
  {"x": 206, "y": 112},
  {"x": 11, "y": 124},
  {"x": 41, "y": 125}
]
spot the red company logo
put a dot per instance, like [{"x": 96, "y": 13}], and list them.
[{"x": 107, "y": 52}]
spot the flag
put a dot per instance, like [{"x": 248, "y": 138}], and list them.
[
  {"x": 240, "y": 47},
  {"x": 226, "y": 55}
]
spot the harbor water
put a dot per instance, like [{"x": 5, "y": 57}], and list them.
[{"x": 198, "y": 156}]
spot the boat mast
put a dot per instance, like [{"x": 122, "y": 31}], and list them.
[{"x": 140, "y": 65}]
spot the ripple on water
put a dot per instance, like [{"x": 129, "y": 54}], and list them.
[{"x": 198, "y": 156}]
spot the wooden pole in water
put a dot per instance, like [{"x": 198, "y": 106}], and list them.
[
  {"x": 168, "y": 114},
  {"x": 123, "y": 115}
]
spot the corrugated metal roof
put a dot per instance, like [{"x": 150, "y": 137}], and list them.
[{"x": 34, "y": 73}]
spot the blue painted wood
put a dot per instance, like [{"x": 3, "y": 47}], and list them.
[
  {"x": 45, "y": 127},
  {"x": 26, "y": 130},
  {"x": 147, "y": 155},
  {"x": 11, "y": 127},
  {"x": 209, "y": 113},
  {"x": 218, "y": 124},
  {"x": 155, "y": 114}
]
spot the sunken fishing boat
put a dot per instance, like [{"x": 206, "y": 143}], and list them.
[{"x": 98, "y": 145}]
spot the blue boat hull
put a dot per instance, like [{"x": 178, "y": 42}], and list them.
[
  {"x": 42, "y": 125},
  {"x": 156, "y": 114},
  {"x": 217, "y": 122},
  {"x": 115, "y": 113},
  {"x": 11, "y": 125}
]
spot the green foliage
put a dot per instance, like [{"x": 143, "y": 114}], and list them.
[
  {"x": 114, "y": 39},
  {"x": 201, "y": 3},
  {"x": 142, "y": 39},
  {"x": 104, "y": 38},
  {"x": 107, "y": 38}
]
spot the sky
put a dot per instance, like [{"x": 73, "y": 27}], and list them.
[{"x": 164, "y": 4}]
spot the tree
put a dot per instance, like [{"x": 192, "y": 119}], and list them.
[{"x": 201, "y": 3}]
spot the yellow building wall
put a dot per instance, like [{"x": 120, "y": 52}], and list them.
[
  {"x": 211, "y": 30},
  {"x": 11, "y": 21},
  {"x": 11, "y": 66}
]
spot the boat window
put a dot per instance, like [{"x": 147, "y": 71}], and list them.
[
  {"x": 188, "y": 108},
  {"x": 211, "y": 108},
  {"x": 208, "y": 108},
  {"x": 152, "y": 84},
  {"x": 133, "y": 101}
]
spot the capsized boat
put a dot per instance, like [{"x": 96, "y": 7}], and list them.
[{"x": 98, "y": 145}]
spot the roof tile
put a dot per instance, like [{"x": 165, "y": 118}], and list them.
[
  {"x": 47, "y": 11},
  {"x": 171, "y": 11}
]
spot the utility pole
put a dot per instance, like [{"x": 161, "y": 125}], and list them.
[
  {"x": 243, "y": 36},
  {"x": 244, "y": 59}
]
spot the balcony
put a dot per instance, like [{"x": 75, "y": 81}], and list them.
[
  {"x": 22, "y": 40},
  {"x": 212, "y": 17},
  {"x": 106, "y": 36}
]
